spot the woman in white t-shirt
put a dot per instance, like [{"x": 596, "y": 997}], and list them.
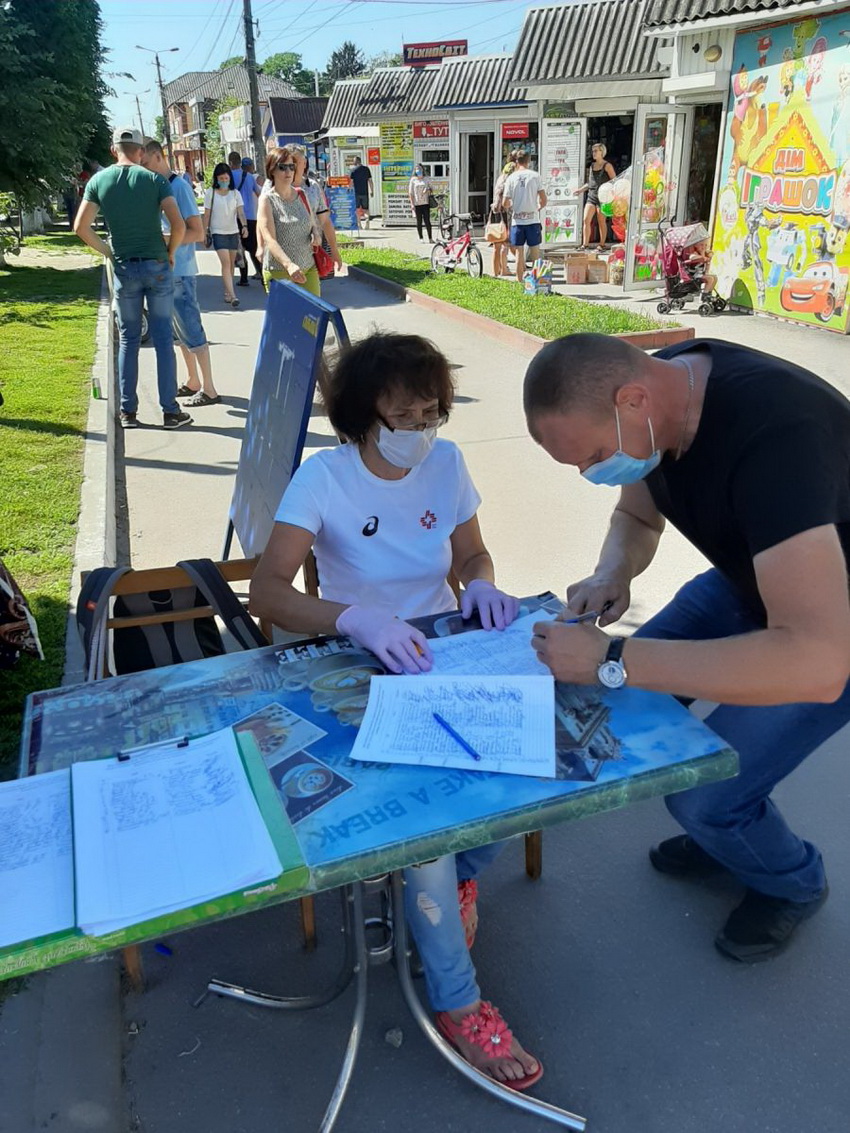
[
  {"x": 389, "y": 514},
  {"x": 224, "y": 219}
]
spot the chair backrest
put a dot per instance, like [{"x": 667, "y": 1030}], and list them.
[{"x": 162, "y": 616}]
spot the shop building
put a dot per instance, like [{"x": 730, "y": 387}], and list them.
[
  {"x": 349, "y": 133},
  {"x": 780, "y": 217}
]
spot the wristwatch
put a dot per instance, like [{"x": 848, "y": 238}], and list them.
[{"x": 612, "y": 671}]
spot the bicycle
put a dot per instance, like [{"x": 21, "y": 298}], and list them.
[
  {"x": 447, "y": 254},
  {"x": 444, "y": 218}
]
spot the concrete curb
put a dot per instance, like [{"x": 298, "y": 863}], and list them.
[{"x": 509, "y": 336}]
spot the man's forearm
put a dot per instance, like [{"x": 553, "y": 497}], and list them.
[
  {"x": 629, "y": 547},
  {"x": 175, "y": 237},
  {"x": 88, "y": 236}
]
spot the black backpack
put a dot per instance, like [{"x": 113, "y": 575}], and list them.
[{"x": 136, "y": 648}]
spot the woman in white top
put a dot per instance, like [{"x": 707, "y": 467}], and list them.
[
  {"x": 389, "y": 514},
  {"x": 419, "y": 192},
  {"x": 224, "y": 219}
]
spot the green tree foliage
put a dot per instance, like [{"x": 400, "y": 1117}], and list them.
[
  {"x": 286, "y": 65},
  {"x": 384, "y": 59},
  {"x": 51, "y": 92},
  {"x": 347, "y": 62},
  {"x": 231, "y": 62}
]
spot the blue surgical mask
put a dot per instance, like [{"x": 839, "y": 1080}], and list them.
[
  {"x": 224, "y": 182},
  {"x": 620, "y": 468}
]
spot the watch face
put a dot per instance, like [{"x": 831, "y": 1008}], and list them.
[{"x": 612, "y": 674}]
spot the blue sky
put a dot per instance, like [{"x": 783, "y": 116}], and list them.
[{"x": 209, "y": 31}]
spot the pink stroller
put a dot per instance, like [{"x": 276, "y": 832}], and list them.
[{"x": 680, "y": 281}]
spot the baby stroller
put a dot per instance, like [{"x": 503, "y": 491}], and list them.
[{"x": 680, "y": 280}]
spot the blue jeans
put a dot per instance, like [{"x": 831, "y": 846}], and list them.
[
  {"x": 736, "y": 821},
  {"x": 135, "y": 281},
  {"x": 433, "y": 913}
]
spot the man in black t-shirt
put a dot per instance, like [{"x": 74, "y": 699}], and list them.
[
  {"x": 361, "y": 179},
  {"x": 749, "y": 457}
]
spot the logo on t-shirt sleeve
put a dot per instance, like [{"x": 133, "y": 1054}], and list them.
[{"x": 371, "y": 526}]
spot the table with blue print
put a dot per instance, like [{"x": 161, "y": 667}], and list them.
[{"x": 613, "y": 748}]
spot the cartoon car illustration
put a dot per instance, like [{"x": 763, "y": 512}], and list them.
[{"x": 821, "y": 290}]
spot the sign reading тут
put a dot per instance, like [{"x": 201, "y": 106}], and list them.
[{"x": 418, "y": 54}]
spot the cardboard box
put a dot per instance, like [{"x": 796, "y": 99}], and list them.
[
  {"x": 597, "y": 271},
  {"x": 575, "y": 270}
]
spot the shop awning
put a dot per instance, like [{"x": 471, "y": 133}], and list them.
[
  {"x": 589, "y": 49},
  {"x": 343, "y": 111},
  {"x": 680, "y": 15},
  {"x": 476, "y": 81}
]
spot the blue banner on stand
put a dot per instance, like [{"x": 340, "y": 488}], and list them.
[
  {"x": 342, "y": 205},
  {"x": 287, "y": 366}
]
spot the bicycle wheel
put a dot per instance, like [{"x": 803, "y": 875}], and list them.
[
  {"x": 474, "y": 262},
  {"x": 440, "y": 258}
]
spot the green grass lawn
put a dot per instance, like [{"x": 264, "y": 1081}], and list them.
[
  {"x": 548, "y": 316},
  {"x": 58, "y": 242},
  {"x": 47, "y": 341}
]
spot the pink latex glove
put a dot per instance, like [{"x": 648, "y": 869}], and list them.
[
  {"x": 395, "y": 643},
  {"x": 496, "y": 609}
]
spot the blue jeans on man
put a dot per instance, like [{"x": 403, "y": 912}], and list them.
[
  {"x": 735, "y": 821},
  {"x": 134, "y": 282}
]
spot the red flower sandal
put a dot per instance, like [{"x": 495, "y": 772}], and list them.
[
  {"x": 487, "y": 1029},
  {"x": 467, "y": 895}
]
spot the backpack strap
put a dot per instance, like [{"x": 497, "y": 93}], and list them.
[
  {"x": 92, "y": 614},
  {"x": 207, "y": 577}
]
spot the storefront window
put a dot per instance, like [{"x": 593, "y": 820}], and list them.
[{"x": 520, "y": 136}]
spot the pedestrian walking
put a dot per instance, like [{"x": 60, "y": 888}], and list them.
[
  {"x": 132, "y": 200},
  {"x": 188, "y": 325},
  {"x": 524, "y": 195},
  {"x": 287, "y": 225},
  {"x": 749, "y": 457},
  {"x": 318, "y": 202},
  {"x": 247, "y": 187},
  {"x": 599, "y": 172},
  {"x": 361, "y": 179},
  {"x": 224, "y": 223}
]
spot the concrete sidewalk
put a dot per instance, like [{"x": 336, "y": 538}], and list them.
[{"x": 605, "y": 970}]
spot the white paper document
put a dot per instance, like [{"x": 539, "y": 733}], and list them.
[
  {"x": 163, "y": 830},
  {"x": 491, "y": 651},
  {"x": 36, "y": 857},
  {"x": 509, "y": 722}
]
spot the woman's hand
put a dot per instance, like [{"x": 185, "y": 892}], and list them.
[
  {"x": 607, "y": 594},
  {"x": 495, "y": 608},
  {"x": 244, "y": 229},
  {"x": 395, "y": 643},
  {"x": 296, "y": 274}
]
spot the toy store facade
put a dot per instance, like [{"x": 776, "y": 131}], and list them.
[{"x": 781, "y": 209}]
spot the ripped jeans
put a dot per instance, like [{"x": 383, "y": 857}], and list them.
[{"x": 433, "y": 914}]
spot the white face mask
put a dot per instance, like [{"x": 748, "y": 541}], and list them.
[{"x": 405, "y": 448}]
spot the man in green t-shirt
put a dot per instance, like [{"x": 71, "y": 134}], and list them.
[{"x": 132, "y": 199}]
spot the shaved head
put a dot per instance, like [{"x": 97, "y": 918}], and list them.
[{"x": 581, "y": 372}]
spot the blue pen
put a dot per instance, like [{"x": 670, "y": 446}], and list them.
[{"x": 459, "y": 739}]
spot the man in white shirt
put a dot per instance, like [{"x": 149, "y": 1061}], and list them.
[{"x": 524, "y": 196}]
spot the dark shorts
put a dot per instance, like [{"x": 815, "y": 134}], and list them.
[
  {"x": 226, "y": 243},
  {"x": 361, "y": 200},
  {"x": 530, "y": 234}
]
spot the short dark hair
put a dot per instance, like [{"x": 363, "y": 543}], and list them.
[
  {"x": 522, "y": 157},
  {"x": 279, "y": 153},
  {"x": 152, "y": 146},
  {"x": 234, "y": 156},
  {"x": 380, "y": 364},
  {"x": 219, "y": 170},
  {"x": 579, "y": 372}
]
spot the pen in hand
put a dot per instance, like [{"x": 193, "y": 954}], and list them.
[
  {"x": 457, "y": 738},
  {"x": 589, "y": 616}
]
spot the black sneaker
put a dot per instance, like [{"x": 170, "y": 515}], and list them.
[
  {"x": 762, "y": 926},
  {"x": 175, "y": 420},
  {"x": 129, "y": 420},
  {"x": 682, "y": 857}
]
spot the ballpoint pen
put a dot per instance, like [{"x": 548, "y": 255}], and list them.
[{"x": 458, "y": 739}]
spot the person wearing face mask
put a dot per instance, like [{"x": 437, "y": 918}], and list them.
[
  {"x": 749, "y": 457},
  {"x": 224, "y": 221},
  {"x": 419, "y": 192},
  {"x": 389, "y": 515}
]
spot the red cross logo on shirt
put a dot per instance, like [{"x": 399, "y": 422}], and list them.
[{"x": 428, "y": 520}]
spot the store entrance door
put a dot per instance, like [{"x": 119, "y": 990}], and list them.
[
  {"x": 476, "y": 174},
  {"x": 659, "y": 176}
]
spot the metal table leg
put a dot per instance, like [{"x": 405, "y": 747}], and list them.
[{"x": 530, "y": 1105}]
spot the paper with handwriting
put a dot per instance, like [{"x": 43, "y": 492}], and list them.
[{"x": 508, "y": 721}]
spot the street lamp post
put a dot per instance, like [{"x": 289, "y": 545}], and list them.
[
  {"x": 134, "y": 94},
  {"x": 165, "y": 126}
]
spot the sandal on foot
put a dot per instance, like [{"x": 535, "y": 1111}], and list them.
[
  {"x": 467, "y": 895},
  {"x": 201, "y": 398},
  {"x": 185, "y": 391},
  {"x": 487, "y": 1029}
]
